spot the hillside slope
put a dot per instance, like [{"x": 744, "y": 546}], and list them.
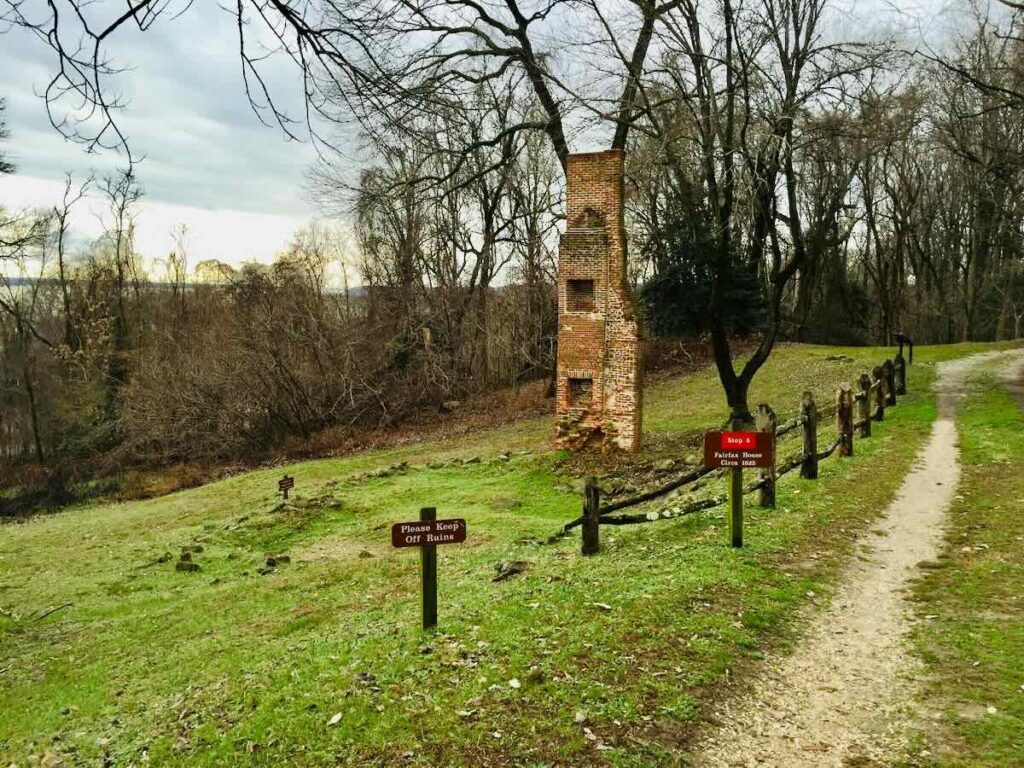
[{"x": 108, "y": 654}]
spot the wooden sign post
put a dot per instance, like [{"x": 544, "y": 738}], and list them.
[
  {"x": 427, "y": 534},
  {"x": 285, "y": 484},
  {"x": 736, "y": 506},
  {"x": 734, "y": 451}
]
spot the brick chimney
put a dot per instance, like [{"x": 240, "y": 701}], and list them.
[{"x": 599, "y": 353}]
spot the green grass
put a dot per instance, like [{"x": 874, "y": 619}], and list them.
[
  {"x": 227, "y": 667},
  {"x": 973, "y": 646}
]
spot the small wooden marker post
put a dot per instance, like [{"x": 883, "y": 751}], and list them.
[
  {"x": 427, "y": 534},
  {"x": 864, "y": 404},
  {"x": 591, "y": 517},
  {"x": 285, "y": 484},
  {"x": 844, "y": 419},
  {"x": 879, "y": 384},
  {"x": 809, "y": 417},
  {"x": 767, "y": 421},
  {"x": 890, "y": 382},
  {"x": 900, "y": 372}
]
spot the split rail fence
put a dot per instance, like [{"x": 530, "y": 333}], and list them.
[{"x": 854, "y": 412}]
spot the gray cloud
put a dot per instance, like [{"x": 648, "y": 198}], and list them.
[{"x": 187, "y": 115}]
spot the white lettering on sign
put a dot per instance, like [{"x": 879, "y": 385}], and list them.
[
  {"x": 428, "y": 533},
  {"x": 734, "y": 440}
]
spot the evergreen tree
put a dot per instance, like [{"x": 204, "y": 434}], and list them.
[{"x": 677, "y": 298}]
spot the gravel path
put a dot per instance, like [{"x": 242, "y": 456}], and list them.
[
  {"x": 844, "y": 697},
  {"x": 1012, "y": 376}
]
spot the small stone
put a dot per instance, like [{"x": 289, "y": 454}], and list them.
[
  {"x": 186, "y": 566},
  {"x": 364, "y": 554},
  {"x": 514, "y": 683},
  {"x": 508, "y": 568},
  {"x": 666, "y": 465}
]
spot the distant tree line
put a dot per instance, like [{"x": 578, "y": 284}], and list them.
[{"x": 105, "y": 364}]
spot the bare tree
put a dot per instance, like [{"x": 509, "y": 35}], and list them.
[{"x": 747, "y": 87}]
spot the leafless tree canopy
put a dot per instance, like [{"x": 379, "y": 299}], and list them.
[{"x": 378, "y": 62}]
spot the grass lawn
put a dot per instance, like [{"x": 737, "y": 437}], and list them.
[
  {"x": 321, "y": 663},
  {"x": 973, "y": 639}
]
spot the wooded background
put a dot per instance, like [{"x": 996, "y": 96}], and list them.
[{"x": 852, "y": 189}]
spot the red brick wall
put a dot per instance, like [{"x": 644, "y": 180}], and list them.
[{"x": 603, "y": 344}]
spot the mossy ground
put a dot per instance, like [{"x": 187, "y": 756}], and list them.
[{"x": 604, "y": 660}]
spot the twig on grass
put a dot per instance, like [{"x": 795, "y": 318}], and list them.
[{"x": 52, "y": 611}]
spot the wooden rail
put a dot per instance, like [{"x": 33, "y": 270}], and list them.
[{"x": 875, "y": 392}]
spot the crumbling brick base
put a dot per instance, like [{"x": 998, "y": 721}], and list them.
[{"x": 599, "y": 363}]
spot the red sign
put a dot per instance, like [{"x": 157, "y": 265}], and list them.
[
  {"x": 428, "y": 533},
  {"x": 738, "y": 449}
]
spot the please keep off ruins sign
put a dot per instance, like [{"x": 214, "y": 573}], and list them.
[
  {"x": 738, "y": 449},
  {"x": 428, "y": 533}
]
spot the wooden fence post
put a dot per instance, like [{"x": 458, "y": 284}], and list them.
[
  {"x": 864, "y": 404},
  {"x": 591, "y": 517},
  {"x": 809, "y": 416},
  {"x": 878, "y": 383},
  {"x": 890, "y": 382},
  {"x": 844, "y": 419},
  {"x": 900, "y": 373},
  {"x": 767, "y": 421},
  {"x": 428, "y": 567}
]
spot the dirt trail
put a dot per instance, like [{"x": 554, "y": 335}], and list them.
[
  {"x": 844, "y": 697},
  {"x": 1012, "y": 377}
]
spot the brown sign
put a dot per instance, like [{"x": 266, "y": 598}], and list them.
[
  {"x": 428, "y": 533},
  {"x": 285, "y": 483},
  {"x": 738, "y": 449}
]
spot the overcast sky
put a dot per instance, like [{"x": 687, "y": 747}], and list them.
[{"x": 209, "y": 163}]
